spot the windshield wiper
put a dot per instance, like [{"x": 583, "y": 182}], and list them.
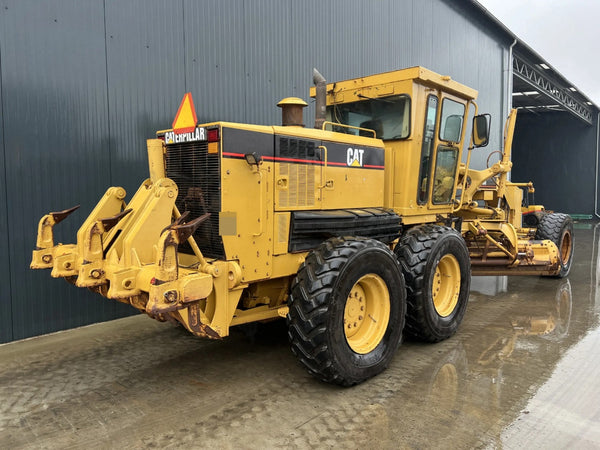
[{"x": 375, "y": 98}]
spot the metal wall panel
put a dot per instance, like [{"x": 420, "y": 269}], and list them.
[
  {"x": 56, "y": 136},
  {"x": 85, "y": 82},
  {"x": 6, "y": 331},
  {"x": 146, "y": 80},
  {"x": 215, "y": 63},
  {"x": 267, "y": 53},
  {"x": 553, "y": 149},
  {"x": 345, "y": 39}
]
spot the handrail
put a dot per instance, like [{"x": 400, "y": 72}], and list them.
[
  {"x": 348, "y": 126},
  {"x": 323, "y": 169}
]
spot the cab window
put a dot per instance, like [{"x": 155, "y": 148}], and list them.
[
  {"x": 389, "y": 117},
  {"x": 427, "y": 149},
  {"x": 445, "y": 171},
  {"x": 451, "y": 121}
]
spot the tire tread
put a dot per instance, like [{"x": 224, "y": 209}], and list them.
[
  {"x": 309, "y": 305},
  {"x": 413, "y": 253},
  {"x": 551, "y": 227}
]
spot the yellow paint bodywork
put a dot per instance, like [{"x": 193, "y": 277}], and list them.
[
  {"x": 403, "y": 156},
  {"x": 134, "y": 258},
  {"x": 393, "y": 82},
  {"x": 367, "y": 313},
  {"x": 137, "y": 262},
  {"x": 251, "y": 196},
  {"x": 491, "y": 215}
]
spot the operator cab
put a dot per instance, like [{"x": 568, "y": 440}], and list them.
[{"x": 421, "y": 117}]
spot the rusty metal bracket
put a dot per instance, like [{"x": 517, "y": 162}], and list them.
[
  {"x": 184, "y": 230},
  {"x": 45, "y": 237},
  {"x": 43, "y": 255},
  {"x": 177, "y": 221},
  {"x": 109, "y": 222},
  {"x": 169, "y": 292},
  {"x": 174, "y": 235},
  {"x": 62, "y": 215}
]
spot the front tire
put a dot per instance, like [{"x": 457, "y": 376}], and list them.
[
  {"x": 346, "y": 310},
  {"x": 558, "y": 228},
  {"x": 437, "y": 269}
]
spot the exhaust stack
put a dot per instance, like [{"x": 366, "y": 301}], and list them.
[
  {"x": 291, "y": 111},
  {"x": 321, "y": 98}
]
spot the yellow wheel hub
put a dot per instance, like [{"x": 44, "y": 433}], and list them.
[
  {"x": 446, "y": 285},
  {"x": 367, "y": 313},
  {"x": 565, "y": 248}
]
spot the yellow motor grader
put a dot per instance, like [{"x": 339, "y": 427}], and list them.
[{"x": 357, "y": 231}]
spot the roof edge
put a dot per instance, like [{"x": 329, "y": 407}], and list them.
[{"x": 522, "y": 47}]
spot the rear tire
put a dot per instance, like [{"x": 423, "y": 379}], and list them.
[
  {"x": 346, "y": 310},
  {"x": 437, "y": 269},
  {"x": 558, "y": 228}
]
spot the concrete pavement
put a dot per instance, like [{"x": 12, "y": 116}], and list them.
[{"x": 521, "y": 372}]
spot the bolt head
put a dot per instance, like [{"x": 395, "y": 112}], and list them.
[{"x": 171, "y": 296}]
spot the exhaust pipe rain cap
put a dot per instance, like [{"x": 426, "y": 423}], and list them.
[{"x": 291, "y": 111}]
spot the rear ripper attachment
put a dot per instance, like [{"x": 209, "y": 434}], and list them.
[{"x": 129, "y": 252}]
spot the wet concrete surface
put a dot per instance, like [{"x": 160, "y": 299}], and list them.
[{"x": 522, "y": 372}]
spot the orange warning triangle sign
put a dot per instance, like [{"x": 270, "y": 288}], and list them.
[{"x": 185, "y": 119}]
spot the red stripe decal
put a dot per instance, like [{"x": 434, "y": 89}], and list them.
[{"x": 304, "y": 161}]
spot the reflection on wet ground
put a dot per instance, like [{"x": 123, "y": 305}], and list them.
[{"x": 519, "y": 373}]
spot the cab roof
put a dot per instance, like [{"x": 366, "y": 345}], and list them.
[{"x": 382, "y": 84}]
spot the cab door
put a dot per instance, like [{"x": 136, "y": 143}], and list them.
[
  {"x": 441, "y": 150},
  {"x": 427, "y": 149}
]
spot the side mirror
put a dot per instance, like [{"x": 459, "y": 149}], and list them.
[{"x": 481, "y": 130}]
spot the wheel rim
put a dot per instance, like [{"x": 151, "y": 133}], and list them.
[
  {"x": 445, "y": 289},
  {"x": 566, "y": 245},
  {"x": 367, "y": 313}
]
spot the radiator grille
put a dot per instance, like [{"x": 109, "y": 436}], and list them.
[
  {"x": 198, "y": 174},
  {"x": 301, "y": 177},
  {"x": 301, "y": 186}
]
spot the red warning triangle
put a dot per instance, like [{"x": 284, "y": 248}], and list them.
[{"x": 185, "y": 119}]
